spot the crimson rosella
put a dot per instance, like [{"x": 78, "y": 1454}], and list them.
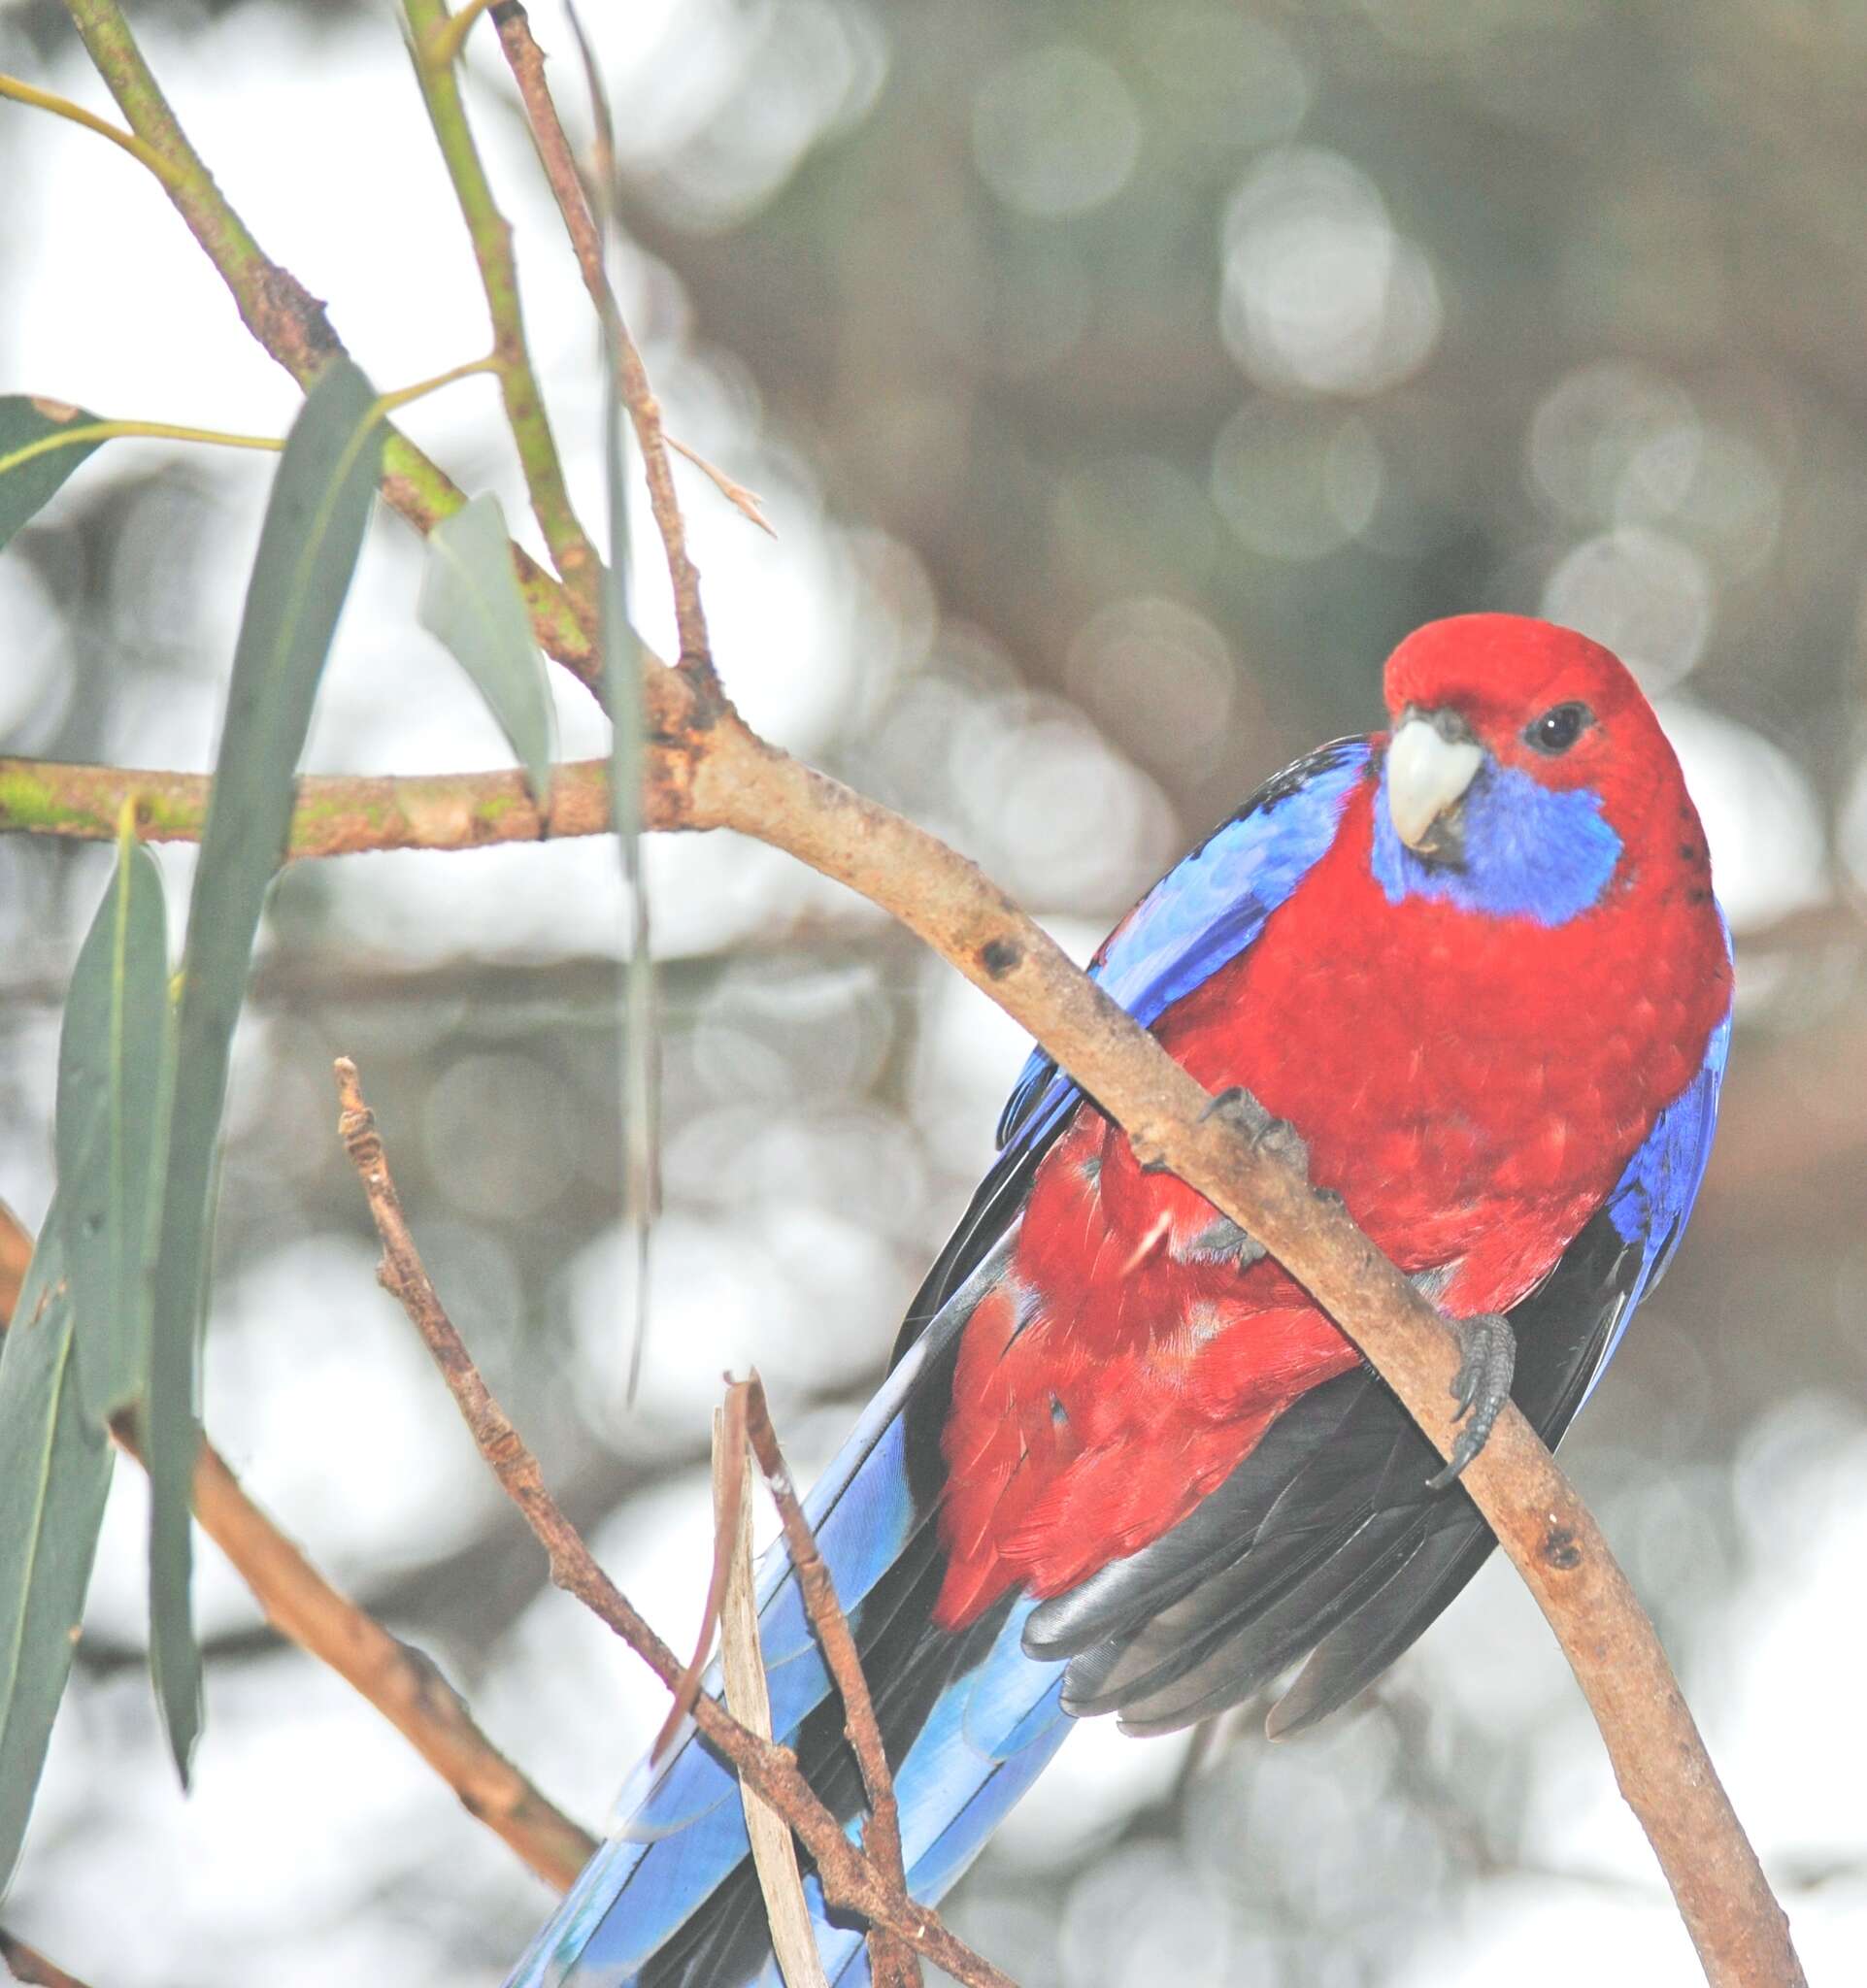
[{"x": 1122, "y": 1462}]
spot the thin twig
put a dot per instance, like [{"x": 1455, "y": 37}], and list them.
[
  {"x": 401, "y": 1682},
  {"x": 750, "y": 504},
  {"x": 289, "y": 322},
  {"x": 491, "y": 236},
  {"x": 850, "y": 1878},
  {"x": 527, "y": 64},
  {"x": 891, "y": 1964},
  {"x": 747, "y": 1698},
  {"x": 27, "y": 1964}
]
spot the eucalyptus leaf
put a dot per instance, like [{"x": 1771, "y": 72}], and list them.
[
  {"x": 308, "y": 549},
  {"x": 470, "y": 601},
  {"x": 628, "y": 725},
  {"x": 57, "y": 1470},
  {"x": 111, "y": 1058},
  {"x": 30, "y": 469}
]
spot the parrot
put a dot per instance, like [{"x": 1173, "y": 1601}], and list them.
[{"x": 1469, "y": 972}]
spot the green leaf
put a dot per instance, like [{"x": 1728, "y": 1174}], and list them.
[
  {"x": 622, "y": 682},
  {"x": 57, "y": 1470},
  {"x": 35, "y": 454},
  {"x": 470, "y": 601},
  {"x": 308, "y": 549},
  {"x": 112, "y": 1054}
]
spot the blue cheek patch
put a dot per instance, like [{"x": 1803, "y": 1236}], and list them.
[{"x": 1529, "y": 852}]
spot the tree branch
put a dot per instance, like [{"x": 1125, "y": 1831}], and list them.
[
  {"x": 27, "y": 1964},
  {"x": 850, "y": 1878},
  {"x": 289, "y": 322},
  {"x": 335, "y": 815},
  {"x": 403, "y": 1683},
  {"x": 399, "y": 1681}
]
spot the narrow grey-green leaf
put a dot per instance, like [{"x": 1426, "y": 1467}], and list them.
[
  {"x": 470, "y": 601},
  {"x": 58, "y": 1469},
  {"x": 640, "y": 1101},
  {"x": 308, "y": 549},
  {"x": 110, "y": 1054},
  {"x": 38, "y": 449}
]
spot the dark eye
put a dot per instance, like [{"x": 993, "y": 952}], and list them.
[{"x": 1557, "y": 729}]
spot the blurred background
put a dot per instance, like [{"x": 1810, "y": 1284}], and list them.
[{"x": 1123, "y": 379}]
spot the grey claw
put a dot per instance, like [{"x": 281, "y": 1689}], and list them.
[
  {"x": 1223, "y": 1241},
  {"x": 1276, "y": 1136},
  {"x": 1481, "y": 1387}
]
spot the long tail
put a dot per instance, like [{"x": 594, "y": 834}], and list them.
[{"x": 968, "y": 1721}]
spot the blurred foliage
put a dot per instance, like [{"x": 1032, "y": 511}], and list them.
[{"x": 1125, "y": 378}]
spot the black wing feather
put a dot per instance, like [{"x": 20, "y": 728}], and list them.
[{"x": 1324, "y": 1540}]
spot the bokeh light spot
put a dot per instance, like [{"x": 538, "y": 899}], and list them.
[
  {"x": 1055, "y": 132},
  {"x": 1642, "y": 594},
  {"x": 1319, "y": 290},
  {"x": 1296, "y": 479}
]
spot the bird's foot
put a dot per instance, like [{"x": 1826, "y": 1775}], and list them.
[
  {"x": 1481, "y": 1387},
  {"x": 1276, "y": 1136},
  {"x": 1223, "y": 1241}
]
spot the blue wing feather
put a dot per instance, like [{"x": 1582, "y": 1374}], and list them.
[
  {"x": 1206, "y": 911},
  {"x": 1653, "y": 1200}
]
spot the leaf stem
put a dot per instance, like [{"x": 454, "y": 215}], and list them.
[
  {"x": 160, "y": 431},
  {"x": 444, "y": 45},
  {"x": 388, "y": 403},
  {"x": 219, "y": 438},
  {"x": 22, "y": 93}
]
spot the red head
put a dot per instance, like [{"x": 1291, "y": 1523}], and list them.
[{"x": 1483, "y": 704}]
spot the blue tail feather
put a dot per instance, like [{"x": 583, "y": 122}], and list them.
[{"x": 965, "y": 1749}]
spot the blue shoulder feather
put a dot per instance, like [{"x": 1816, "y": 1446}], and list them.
[{"x": 1206, "y": 911}]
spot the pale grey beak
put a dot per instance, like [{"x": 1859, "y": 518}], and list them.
[{"x": 1427, "y": 774}]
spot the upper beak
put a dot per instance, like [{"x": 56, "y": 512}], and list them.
[{"x": 1427, "y": 774}]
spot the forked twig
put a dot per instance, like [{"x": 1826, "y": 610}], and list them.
[
  {"x": 850, "y": 1878},
  {"x": 747, "y": 1698},
  {"x": 891, "y": 1965},
  {"x": 750, "y": 504}
]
